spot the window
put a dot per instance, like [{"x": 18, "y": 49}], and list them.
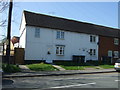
[
  {"x": 92, "y": 52},
  {"x": 92, "y": 38},
  {"x": 116, "y": 54},
  {"x": 60, "y": 35},
  {"x": 59, "y": 50},
  {"x": 116, "y": 41},
  {"x": 37, "y": 32},
  {"x": 109, "y": 53}
]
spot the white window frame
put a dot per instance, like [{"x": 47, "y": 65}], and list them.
[
  {"x": 92, "y": 52},
  {"x": 116, "y": 41},
  {"x": 37, "y": 32},
  {"x": 116, "y": 54},
  {"x": 60, "y": 34},
  {"x": 92, "y": 38},
  {"x": 60, "y": 50},
  {"x": 109, "y": 53}
]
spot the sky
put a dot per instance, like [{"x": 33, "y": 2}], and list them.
[{"x": 101, "y": 13}]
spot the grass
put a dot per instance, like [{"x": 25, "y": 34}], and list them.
[
  {"x": 85, "y": 67},
  {"x": 73, "y": 67},
  {"x": 41, "y": 67},
  {"x": 10, "y": 68},
  {"x": 107, "y": 66},
  {"x": 69, "y": 65}
]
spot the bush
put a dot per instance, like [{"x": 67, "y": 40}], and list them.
[{"x": 9, "y": 68}]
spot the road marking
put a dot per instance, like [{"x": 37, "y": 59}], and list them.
[
  {"x": 67, "y": 86},
  {"x": 117, "y": 80}
]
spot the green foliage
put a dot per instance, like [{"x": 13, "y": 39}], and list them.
[
  {"x": 41, "y": 67},
  {"x": 73, "y": 67},
  {"x": 10, "y": 68},
  {"x": 107, "y": 66},
  {"x": 85, "y": 67}
]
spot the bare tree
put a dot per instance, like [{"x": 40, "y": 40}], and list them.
[{"x": 3, "y": 6}]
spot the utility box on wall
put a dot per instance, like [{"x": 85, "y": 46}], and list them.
[{"x": 79, "y": 58}]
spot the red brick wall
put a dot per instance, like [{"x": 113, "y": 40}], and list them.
[{"x": 105, "y": 44}]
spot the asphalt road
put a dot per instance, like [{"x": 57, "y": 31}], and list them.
[{"x": 103, "y": 80}]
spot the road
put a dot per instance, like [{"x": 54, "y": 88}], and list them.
[{"x": 103, "y": 80}]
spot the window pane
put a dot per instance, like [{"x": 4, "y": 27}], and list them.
[
  {"x": 90, "y": 51},
  {"x": 94, "y": 39},
  {"x": 62, "y": 35},
  {"x": 116, "y": 54},
  {"x": 110, "y": 53},
  {"x": 58, "y": 34},
  {"x": 94, "y": 52},
  {"x": 57, "y": 50},
  {"x": 90, "y": 38},
  {"x": 116, "y": 41},
  {"x": 37, "y": 32},
  {"x": 60, "y": 50}
]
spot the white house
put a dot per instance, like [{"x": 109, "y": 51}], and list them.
[{"x": 51, "y": 38}]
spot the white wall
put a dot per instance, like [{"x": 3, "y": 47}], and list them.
[
  {"x": 22, "y": 33},
  {"x": 37, "y": 48}
]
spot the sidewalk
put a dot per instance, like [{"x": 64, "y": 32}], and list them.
[{"x": 56, "y": 73}]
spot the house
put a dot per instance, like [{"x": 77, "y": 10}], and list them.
[
  {"x": 15, "y": 41},
  {"x": 13, "y": 44},
  {"x": 109, "y": 48},
  {"x": 49, "y": 38}
]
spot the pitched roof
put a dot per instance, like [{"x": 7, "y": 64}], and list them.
[{"x": 41, "y": 20}]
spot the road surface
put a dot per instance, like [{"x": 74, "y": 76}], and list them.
[{"x": 103, "y": 80}]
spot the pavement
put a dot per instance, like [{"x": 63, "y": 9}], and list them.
[
  {"x": 29, "y": 73},
  {"x": 58, "y": 67}
]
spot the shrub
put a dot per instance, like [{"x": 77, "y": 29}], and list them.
[{"x": 9, "y": 68}]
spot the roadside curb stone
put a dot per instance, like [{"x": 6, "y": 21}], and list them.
[{"x": 56, "y": 73}]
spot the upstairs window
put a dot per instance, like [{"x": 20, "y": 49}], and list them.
[
  {"x": 37, "y": 32},
  {"x": 92, "y": 38},
  {"x": 60, "y": 35},
  {"x": 59, "y": 50},
  {"x": 116, "y": 41}
]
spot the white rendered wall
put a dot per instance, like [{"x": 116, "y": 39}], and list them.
[
  {"x": 75, "y": 44},
  {"x": 22, "y": 33}
]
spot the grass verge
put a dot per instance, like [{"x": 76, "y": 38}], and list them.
[
  {"x": 41, "y": 67},
  {"x": 73, "y": 67},
  {"x": 85, "y": 67},
  {"x": 106, "y": 66},
  {"x": 10, "y": 68}
]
